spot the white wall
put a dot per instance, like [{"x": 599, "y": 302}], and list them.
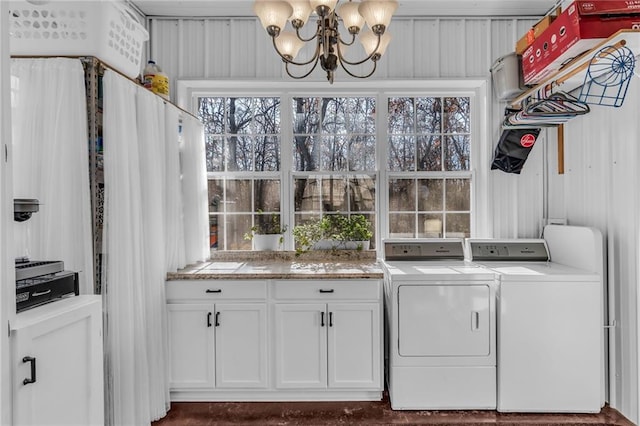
[{"x": 598, "y": 188}]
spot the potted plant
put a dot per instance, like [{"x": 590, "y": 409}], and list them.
[
  {"x": 334, "y": 231},
  {"x": 267, "y": 233}
]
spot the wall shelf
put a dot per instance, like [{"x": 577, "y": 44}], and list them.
[{"x": 571, "y": 76}]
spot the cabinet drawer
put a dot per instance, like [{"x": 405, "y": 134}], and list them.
[
  {"x": 327, "y": 289},
  {"x": 215, "y": 290}
]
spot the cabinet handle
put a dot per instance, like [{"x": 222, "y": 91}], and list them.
[
  {"x": 322, "y": 290},
  {"x": 330, "y": 319},
  {"x": 217, "y": 290},
  {"x": 32, "y": 360},
  {"x": 475, "y": 320},
  {"x": 209, "y": 319},
  {"x": 321, "y": 319},
  {"x": 217, "y": 319}
]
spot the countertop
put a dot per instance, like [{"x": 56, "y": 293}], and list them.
[{"x": 332, "y": 264}]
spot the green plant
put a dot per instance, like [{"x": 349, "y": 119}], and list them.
[
  {"x": 266, "y": 225},
  {"x": 335, "y": 227}
]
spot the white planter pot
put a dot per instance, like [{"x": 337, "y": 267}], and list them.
[{"x": 267, "y": 242}]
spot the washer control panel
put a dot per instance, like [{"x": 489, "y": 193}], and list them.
[
  {"x": 521, "y": 250},
  {"x": 424, "y": 249}
]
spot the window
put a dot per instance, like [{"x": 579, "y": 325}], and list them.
[
  {"x": 243, "y": 140},
  {"x": 429, "y": 179},
  {"x": 334, "y": 156},
  {"x": 405, "y": 158}
]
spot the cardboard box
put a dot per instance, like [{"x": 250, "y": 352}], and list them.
[
  {"x": 604, "y": 7},
  {"x": 569, "y": 36},
  {"x": 533, "y": 33}
]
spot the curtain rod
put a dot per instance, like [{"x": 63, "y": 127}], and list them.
[{"x": 104, "y": 65}]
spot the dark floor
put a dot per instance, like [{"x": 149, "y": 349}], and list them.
[{"x": 361, "y": 413}]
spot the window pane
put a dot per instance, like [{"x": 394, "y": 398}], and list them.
[
  {"x": 429, "y": 226},
  {"x": 362, "y": 153},
  {"x": 266, "y": 195},
  {"x": 334, "y": 121},
  {"x": 267, "y": 116},
  {"x": 334, "y": 191},
  {"x": 402, "y": 152},
  {"x": 267, "y": 153},
  {"x": 401, "y": 115},
  {"x": 457, "y": 152},
  {"x": 361, "y": 118},
  {"x": 240, "y": 116},
  {"x": 428, "y": 115},
  {"x": 430, "y": 196},
  {"x": 238, "y": 196},
  {"x": 457, "y": 115},
  {"x": 429, "y": 153},
  {"x": 211, "y": 112},
  {"x": 215, "y": 231},
  {"x": 305, "y": 153},
  {"x": 306, "y": 194},
  {"x": 458, "y": 225},
  {"x": 402, "y": 225},
  {"x": 334, "y": 153},
  {"x": 235, "y": 227},
  {"x": 214, "y": 146},
  {"x": 458, "y": 194},
  {"x": 239, "y": 153},
  {"x": 402, "y": 195},
  {"x": 306, "y": 115},
  {"x": 362, "y": 194}
]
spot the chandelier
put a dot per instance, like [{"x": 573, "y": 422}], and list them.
[{"x": 330, "y": 46}]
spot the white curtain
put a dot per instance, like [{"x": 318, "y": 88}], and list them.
[
  {"x": 175, "y": 258},
  {"x": 51, "y": 163},
  {"x": 194, "y": 188}
]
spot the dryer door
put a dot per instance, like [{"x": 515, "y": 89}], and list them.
[{"x": 444, "y": 320}]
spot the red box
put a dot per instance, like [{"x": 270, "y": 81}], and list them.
[
  {"x": 572, "y": 34},
  {"x": 601, "y": 7}
]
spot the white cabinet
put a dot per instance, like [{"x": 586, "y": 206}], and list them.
[
  {"x": 275, "y": 340},
  {"x": 57, "y": 362},
  {"x": 219, "y": 344},
  {"x": 333, "y": 342}
]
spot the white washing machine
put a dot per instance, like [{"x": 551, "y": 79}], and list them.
[
  {"x": 440, "y": 327},
  {"x": 549, "y": 326}
]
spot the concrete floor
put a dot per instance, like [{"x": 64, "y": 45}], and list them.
[{"x": 361, "y": 413}]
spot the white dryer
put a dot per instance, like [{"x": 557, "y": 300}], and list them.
[
  {"x": 549, "y": 328},
  {"x": 440, "y": 327}
]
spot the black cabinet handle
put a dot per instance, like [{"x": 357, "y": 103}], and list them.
[
  {"x": 321, "y": 319},
  {"x": 322, "y": 290},
  {"x": 32, "y": 360},
  {"x": 217, "y": 290},
  {"x": 217, "y": 319},
  {"x": 330, "y": 319},
  {"x": 209, "y": 319}
]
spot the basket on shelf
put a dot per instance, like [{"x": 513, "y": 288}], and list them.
[{"x": 104, "y": 29}]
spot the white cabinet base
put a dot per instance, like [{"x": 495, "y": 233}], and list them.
[{"x": 274, "y": 396}]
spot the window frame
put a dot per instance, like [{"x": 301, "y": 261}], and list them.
[{"x": 477, "y": 89}]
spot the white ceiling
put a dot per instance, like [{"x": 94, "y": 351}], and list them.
[{"x": 213, "y": 8}]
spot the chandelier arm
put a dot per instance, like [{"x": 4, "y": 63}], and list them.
[
  {"x": 291, "y": 61},
  {"x": 353, "y": 40},
  {"x": 375, "y": 65},
  {"x": 374, "y": 53},
  {"x": 286, "y": 68},
  {"x": 306, "y": 40}
]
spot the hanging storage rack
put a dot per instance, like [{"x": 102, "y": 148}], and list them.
[
  {"x": 551, "y": 111},
  {"x": 572, "y": 76}
]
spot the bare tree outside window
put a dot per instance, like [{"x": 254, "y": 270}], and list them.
[{"x": 429, "y": 164}]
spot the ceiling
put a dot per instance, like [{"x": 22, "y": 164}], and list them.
[{"x": 212, "y": 8}]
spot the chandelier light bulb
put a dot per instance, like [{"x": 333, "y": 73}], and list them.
[
  {"x": 301, "y": 12},
  {"x": 323, "y": 7},
  {"x": 273, "y": 14},
  {"x": 352, "y": 20},
  {"x": 369, "y": 41},
  {"x": 378, "y": 13},
  {"x": 289, "y": 44}
]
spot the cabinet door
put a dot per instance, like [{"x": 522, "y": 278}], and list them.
[
  {"x": 301, "y": 345},
  {"x": 354, "y": 336},
  {"x": 444, "y": 320},
  {"x": 66, "y": 346},
  {"x": 241, "y": 345},
  {"x": 191, "y": 345}
]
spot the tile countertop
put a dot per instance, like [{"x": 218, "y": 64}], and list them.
[{"x": 321, "y": 264}]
